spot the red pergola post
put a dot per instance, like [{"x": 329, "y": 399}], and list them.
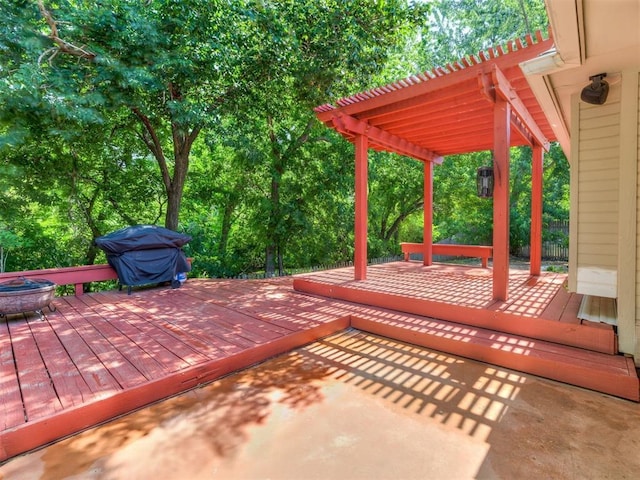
[
  {"x": 361, "y": 207},
  {"x": 501, "y": 142},
  {"x": 535, "y": 241},
  {"x": 427, "y": 235}
]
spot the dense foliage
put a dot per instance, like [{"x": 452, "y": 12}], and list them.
[{"x": 199, "y": 114}]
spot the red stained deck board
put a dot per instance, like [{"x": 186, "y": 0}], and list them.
[
  {"x": 238, "y": 318},
  {"x": 283, "y": 310},
  {"x": 11, "y": 408},
  {"x": 559, "y": 304},
  {"x": 510, "y": 316},
  {"x": 504, "y": 341},
  {"x": 223, "y": 326},
  {"x": 230, "y": 296},
  {"x": 452, "y": 284},
  {"x": 69, "y": 384},
  {"x": 96, "y": 376},
  {"x": 83, "y": 321},
  {"x": 191, "y": 334},
  {"x": 237, "y": 325},
  {"x": 114, "y": 330},
  {"x": 533, "y": 300},
  {"x": 38, "y": 395},
  {"x": 570, "y": 312},
  {"x": 204, "y": 333},
  {"x": 129, "y": 324},
  {"x": 304, "y": 309},
  {"x": 558, "y": 363},
  {"x": 148, "y": 325},
  {"x": 289, "y": 309}
]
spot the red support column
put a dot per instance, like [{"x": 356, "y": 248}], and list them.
[
  {"x": 501, "y": 142},
  {"x": 535, "y": 241},
  {"x": 427, "y": 235},
  {"x": 361, "y": 194}
]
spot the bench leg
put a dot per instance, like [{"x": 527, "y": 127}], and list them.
[{"x": 485, "y": 262}]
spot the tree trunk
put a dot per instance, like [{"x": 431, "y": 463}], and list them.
[
  {"x": 226, "y": 227},
  {"x": 182, "y": 142},
  {"x": 395, "y": 226},
  {"x": 182, "y": 148},
  {"x": 272, "y": 227},
  {"x": 270, "y": 267},
  {"x": 174, "y": 199},
  {"x": 280, "y": 261},
  {"x": 275, "y": 236}
]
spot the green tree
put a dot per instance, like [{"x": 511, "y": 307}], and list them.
[
  {"x": 122, "y": 112},
  {"x": 8, "y": 241},
  {"x": 80, "y": 190},
  {"x": 396, "y": 186},
  {"x": 321, "y": 49},
  {"x": 170, "y": 70},
  {"x": 465, "y": 27},
  {"x": 168, "y": 66}
]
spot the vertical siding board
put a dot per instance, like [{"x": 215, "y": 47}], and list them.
[
  {"x": 629, "y": 292},
  {"x": 573, "y": 194}
]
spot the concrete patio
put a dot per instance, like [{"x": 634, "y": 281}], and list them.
[{"x": 359, "y": 406}]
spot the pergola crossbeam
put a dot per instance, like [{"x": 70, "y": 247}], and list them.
[
  {"x": 495, "y": 84},
  {"x": 349, "y": 125},
  {"x": 526, "y": 121}
]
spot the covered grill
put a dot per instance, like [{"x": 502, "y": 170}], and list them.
[{"x": 145, "y": 254}]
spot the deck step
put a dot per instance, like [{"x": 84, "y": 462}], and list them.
[
  {"x": 598, "y": 337},
  {"x": 598, "y": 310},
  {"x": 612, "y": 374}
]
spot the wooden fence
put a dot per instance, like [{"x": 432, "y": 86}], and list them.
[{"x": 556, "y": 245}]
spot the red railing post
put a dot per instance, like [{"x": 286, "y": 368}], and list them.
[
  {"x": 361, "y": 207},
  {"x": 427, "y": 235},
  {"x": 501, "y": 143},
  {"x": 535, "y": 241}
]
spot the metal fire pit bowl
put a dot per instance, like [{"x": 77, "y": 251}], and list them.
[{"x": 22, "y": 295}]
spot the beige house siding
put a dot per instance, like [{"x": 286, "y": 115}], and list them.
[
  {"x": 595, "y": 201},
  {"x": 629, "y": 290},
  {"x": 628, "y": 216}
]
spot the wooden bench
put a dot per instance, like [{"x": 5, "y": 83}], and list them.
[{"x": 484, "y": 252}]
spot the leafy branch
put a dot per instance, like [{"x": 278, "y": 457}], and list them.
[{"x": 62, "y": 45}]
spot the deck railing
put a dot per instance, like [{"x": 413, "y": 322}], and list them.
[{"x": 76, "y": 276}]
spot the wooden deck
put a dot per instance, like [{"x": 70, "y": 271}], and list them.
[
  {"x": 105, "y": 354},
  {"x": 538, "y": 307}
]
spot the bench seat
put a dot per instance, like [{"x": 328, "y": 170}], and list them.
[{"x": 484, "y": 252}]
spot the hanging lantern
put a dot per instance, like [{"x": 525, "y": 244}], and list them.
[{"x": 484, "y": 181}]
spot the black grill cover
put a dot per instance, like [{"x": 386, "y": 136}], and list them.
[{"x": 144, "y": 254}]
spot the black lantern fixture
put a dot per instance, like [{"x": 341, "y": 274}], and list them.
[
  {"x": 596, "y": 92},
  {"x": 484, "y": 181}
]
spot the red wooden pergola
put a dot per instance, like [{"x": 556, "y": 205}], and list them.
[{"x": 483, "y": 102}]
